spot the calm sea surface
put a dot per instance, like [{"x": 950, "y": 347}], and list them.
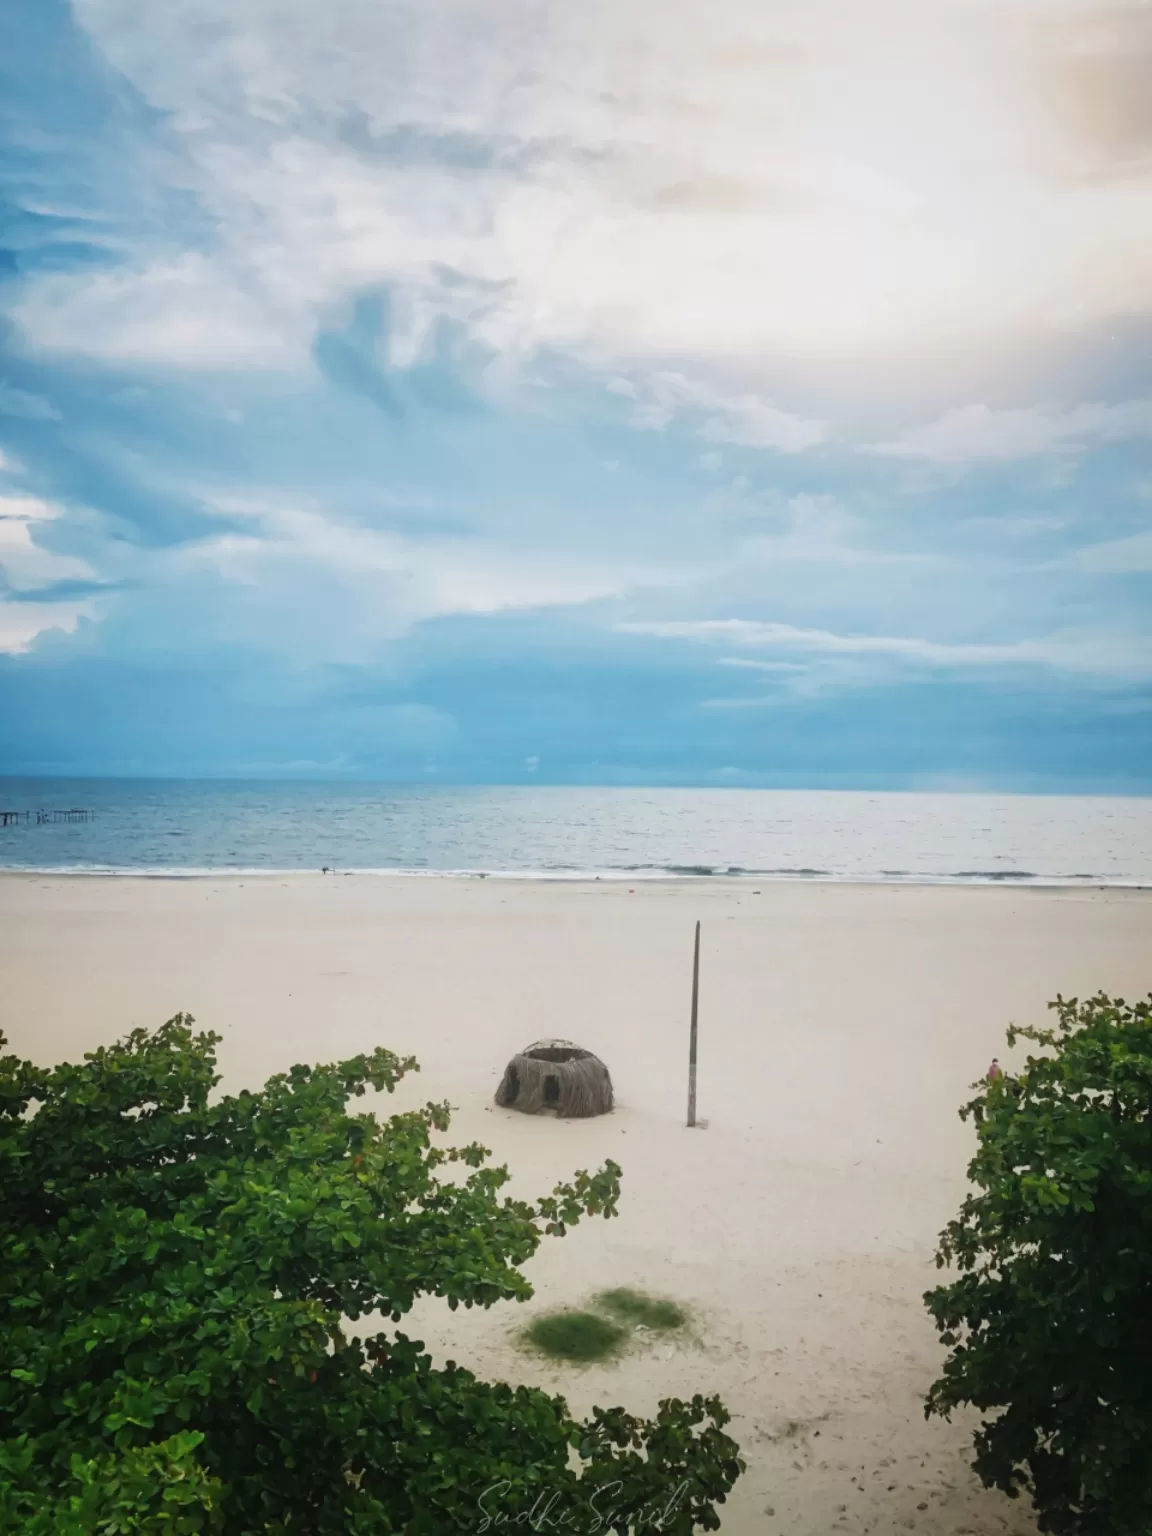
[{"x": 171, "y": 827}]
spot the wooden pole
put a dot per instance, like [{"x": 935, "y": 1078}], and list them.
[{"x": 692, "y": 1037}]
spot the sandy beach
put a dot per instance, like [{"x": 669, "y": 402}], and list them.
[{"x": 840, "y": 1027}]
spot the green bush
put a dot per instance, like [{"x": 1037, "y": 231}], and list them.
[
  {"x": 1049, "y": 1321},
  {"x": 178, "y": 1274}
]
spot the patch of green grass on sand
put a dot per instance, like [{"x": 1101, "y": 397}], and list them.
[
  {"x": 634, "y": 1307},
  {"x": 577, "y": 1336}
]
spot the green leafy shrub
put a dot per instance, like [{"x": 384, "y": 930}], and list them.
[
  {"x": 155, "y": 1490},
  {"x": 178, "y": 1275},
  {"x": 1049, "y": 1321}
]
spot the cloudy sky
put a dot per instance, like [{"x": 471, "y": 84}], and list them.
[{"x": 704, "y": 391}]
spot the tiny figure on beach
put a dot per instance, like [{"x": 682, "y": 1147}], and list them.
[{"x": 994, "y": 1071}]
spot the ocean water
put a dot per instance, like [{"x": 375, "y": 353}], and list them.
[{"x": 176, "y": 827}]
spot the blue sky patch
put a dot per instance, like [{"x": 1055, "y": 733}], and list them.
[{"x": 480, "y": 395}]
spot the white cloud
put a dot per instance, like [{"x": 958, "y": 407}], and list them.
[
  {"x": 973, "y": 433},
  {"x": 20, "y": 402},
  {"x": 28, "y": 509},
  {"x": 1091, "y": 652},
  {"x": 747, "y": 664},
  {"x": 723, "y": 183},
  {"x": 22, "y": 622},
  {"x": 744, "y": 419},
  {"x": 461, "y": 579},
  {"x": 188, "y": 312},
  {"x": 808, "y": 529},
  {"x": 372, "y": 584},
  {"x": 1010, "y": 526},
  {"x": 1118, "y": 557},
  {"x": 821, "y": 526},
  {"x": 23, "y": 563},
  {"x": 751, "y": 701}
]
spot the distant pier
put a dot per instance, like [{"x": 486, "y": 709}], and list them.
[{"x": 43, "y": 818}]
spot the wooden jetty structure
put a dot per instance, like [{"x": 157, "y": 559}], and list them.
[{"x": 43, "y": 818}]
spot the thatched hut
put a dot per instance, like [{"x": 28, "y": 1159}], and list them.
[{"x": 557, "y": 1077}]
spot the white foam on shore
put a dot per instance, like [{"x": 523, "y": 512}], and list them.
[{"x": 1018, "y": 880}]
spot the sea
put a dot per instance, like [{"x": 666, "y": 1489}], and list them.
[{"x": 177, "y": 828}]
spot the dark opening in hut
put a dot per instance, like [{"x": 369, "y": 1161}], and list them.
[{"x": 558, "y": 1077}]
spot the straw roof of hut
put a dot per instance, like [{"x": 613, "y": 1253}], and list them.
[{"x": 558, "y": 1077}]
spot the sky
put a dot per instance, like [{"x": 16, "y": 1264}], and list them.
[{"x": 696, "y": 392}]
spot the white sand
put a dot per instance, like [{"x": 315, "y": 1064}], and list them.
[{"x": 840, "y": 1028}]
